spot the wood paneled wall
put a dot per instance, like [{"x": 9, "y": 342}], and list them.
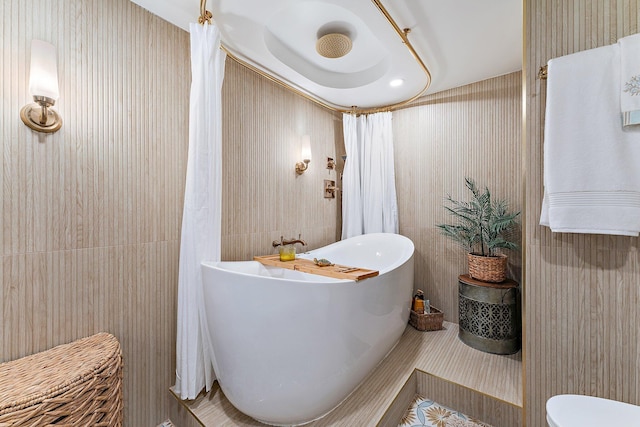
[
  {"x": 474, "y": 131},
  {"x": 263, "y": 198},
  {"x": 90, "y": 216},
  {"x": 581, "y": 291}
]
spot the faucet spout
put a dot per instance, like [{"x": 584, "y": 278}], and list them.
[{"x": 293, "y": 242}]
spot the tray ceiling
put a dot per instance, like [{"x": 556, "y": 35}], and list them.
[{"x": 459, "y": 41}]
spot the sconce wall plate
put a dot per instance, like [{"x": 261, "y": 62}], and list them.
[
  {"x": 40, "y": 117},
  {"x": 302, "y": 166}
]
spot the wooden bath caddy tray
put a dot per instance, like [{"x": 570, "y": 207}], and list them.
[{"x": 336, "y": 271}]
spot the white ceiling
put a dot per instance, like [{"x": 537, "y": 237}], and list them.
[{"x": 459, "y": 41}]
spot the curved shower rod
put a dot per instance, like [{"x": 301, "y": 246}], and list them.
[{"x": 206, "y": 16}]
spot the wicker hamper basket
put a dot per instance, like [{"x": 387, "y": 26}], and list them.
[
  {"x": 428, "y": 321},
  {"x": 75, "y": 384}
]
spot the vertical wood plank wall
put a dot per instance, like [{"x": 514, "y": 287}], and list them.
[
  {"x": 474, "y": 131},
  {"x": 582, "y": 291},
  {"x": 263, "y": 198},
  {"x": 90, "y": 215},
  {"x": 90, "y": 223}
]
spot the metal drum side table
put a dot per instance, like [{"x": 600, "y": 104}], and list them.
[{"x": 489, "y": 315}]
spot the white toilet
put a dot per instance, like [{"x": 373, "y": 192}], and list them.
[{"x": 572, "y": 410}]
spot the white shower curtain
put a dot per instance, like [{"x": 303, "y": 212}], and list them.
[
  {"x": 201, "y": 220},
  {"x": 369, "y": 203}
]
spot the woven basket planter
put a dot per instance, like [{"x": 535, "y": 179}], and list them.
[
  {"x": 427, "y": 321},
  {"x": 488, "y": 268},
  {"x": 76, "y": 384}
]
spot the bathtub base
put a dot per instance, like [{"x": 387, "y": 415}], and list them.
[
  {"x": 355, "y": 391},
  {"x": 373, "y": 402}
]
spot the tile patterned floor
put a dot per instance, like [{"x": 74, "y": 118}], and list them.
[{"x": 426, "y": 413}]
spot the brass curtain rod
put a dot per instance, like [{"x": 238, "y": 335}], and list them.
[{"x": 205, "y": 15}]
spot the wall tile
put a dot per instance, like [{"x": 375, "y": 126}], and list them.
[
  {"x": 581, "y": 318},
  {"x": 90, "y": 223},
  {"x": 89, "y": 220},
  {"x": 472, "y": 131}
]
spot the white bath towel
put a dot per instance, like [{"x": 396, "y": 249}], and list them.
[
  {"x": 630, "y": 79},
  {"x": 591, "y": 163}
]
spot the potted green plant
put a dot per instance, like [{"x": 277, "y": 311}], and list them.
[{"x": 483, "y": 226}]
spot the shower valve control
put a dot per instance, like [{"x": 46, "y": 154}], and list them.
[{"x": 330, "y": 189}]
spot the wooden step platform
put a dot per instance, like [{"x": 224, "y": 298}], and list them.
[{"x": 336, "y": 271}]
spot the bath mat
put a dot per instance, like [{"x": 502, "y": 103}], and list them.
[{"x": 426, "y": 413}]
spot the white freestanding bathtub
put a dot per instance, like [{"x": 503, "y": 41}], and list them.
[{"x": 290, "y": 346}]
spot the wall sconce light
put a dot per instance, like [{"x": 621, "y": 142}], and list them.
[
  {"x": 43, "y": 86},
  {"x": 306, "y": 155}
]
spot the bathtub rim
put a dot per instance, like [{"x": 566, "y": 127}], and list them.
[
  {"x": 408, "y": 254},
  {"x": 408, "y": 251}
]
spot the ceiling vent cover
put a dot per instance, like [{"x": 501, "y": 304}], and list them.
[{"x": 333, "y": 45}]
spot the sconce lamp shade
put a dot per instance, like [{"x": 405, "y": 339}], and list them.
[
  {"x": 305, "y": 153},
  {"x": 306, "y": 148},
  {"x": 43, "y": 78}
]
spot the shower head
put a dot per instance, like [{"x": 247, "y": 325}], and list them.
[{"x": 334, "y": 45}]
